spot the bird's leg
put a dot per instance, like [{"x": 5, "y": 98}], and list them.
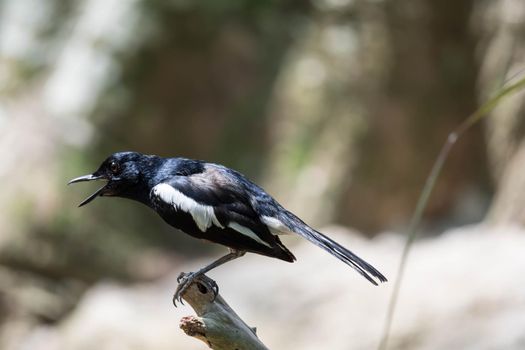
[{"x": 185, "y": 279}]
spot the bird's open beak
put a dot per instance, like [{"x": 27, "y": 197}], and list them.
[{"x": 89, "y": 177}]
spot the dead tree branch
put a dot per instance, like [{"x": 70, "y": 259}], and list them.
[{"x": 216, "y": 324}]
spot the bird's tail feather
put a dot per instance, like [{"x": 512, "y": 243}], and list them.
[{"x": 337, "y": 250}]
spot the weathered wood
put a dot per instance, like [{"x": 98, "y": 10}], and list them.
[{"x": 216, "y": 324}]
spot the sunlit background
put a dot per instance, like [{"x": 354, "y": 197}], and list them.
[{"x": 337, "y": 108}]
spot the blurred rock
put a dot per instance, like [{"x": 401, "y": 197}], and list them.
[{"x": 463, "y": 290}]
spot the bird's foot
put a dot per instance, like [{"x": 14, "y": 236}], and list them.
[{"x": 186, "y": 279}]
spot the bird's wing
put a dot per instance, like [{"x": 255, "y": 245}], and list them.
[{"x": 215, "y": 197}]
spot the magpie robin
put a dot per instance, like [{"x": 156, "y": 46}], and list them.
[{"x": 212, "y": 202}]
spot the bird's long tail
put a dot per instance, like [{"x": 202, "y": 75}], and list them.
[{"x": 334, "y": 248}]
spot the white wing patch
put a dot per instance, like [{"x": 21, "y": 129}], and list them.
[
  {"x": 203, "y": 215},
  {"x": 275, "y": 225},
  {"x": 247, "y": 232}
]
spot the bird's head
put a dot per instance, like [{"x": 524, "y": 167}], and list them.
[{"x": 123, "y": 173}]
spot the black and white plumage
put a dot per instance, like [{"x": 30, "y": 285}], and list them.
[{"x": 214, "y": 203}]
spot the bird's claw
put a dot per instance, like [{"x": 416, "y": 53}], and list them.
[
  {"x": 214, "y": 288},
  {"x": 181, "y": 276},
  {"x": 186, "y": 279}
]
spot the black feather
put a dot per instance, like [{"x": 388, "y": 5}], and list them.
[{"x": 334, "y": 248}]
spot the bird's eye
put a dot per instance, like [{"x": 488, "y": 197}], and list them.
[{"x": 114, "y": 167}]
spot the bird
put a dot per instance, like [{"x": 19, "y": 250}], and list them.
[{"x": 214, "y": 203}]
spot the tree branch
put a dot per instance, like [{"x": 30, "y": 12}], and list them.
[{"x": 216, "y": 324}]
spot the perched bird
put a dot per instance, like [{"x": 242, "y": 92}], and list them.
[{"x": 212, "y": 202}]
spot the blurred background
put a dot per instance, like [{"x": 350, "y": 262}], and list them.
[{"x": 337, "y": 108}]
